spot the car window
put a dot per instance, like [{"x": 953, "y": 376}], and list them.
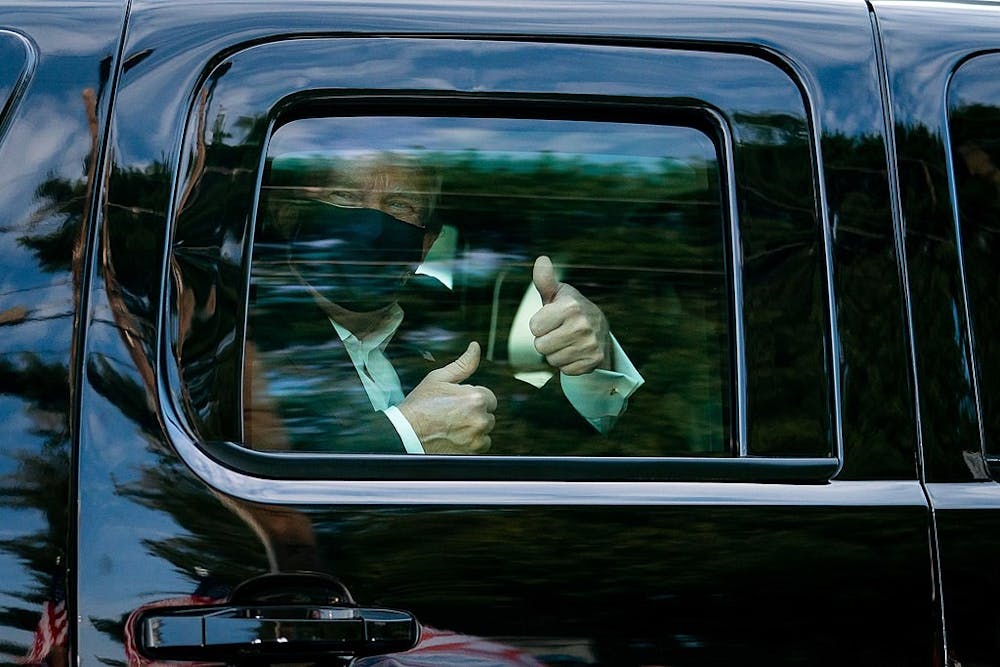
[
  {"x": 673, "y": 220},
  {"x": 586, "y": 262},
  {"x": 974, "y": 114}
]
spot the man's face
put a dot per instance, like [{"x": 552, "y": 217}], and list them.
[
  {"x": 400, "y": 190},
  {"x": 357, "y": 235}
]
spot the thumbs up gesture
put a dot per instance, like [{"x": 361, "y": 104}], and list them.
[
  {"x": 450, "y": 417},
  {"x": 570, "y": 331}
]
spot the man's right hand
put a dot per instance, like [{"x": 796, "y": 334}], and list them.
[{"x": 449, "y": 417}]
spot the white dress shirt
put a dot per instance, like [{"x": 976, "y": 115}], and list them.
[{"x": 600, "y": 396}]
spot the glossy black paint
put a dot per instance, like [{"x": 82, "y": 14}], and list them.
[
  {"x": 526, "y": 569},
  {"x": 926, "y": 58},
  {"x": 638, "y": 573},
  {"x": 54, "y": 96}
]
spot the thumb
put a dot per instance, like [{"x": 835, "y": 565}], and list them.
[
  {"x": 460, "y": 369},
  {"x": 544, "y": 278}
]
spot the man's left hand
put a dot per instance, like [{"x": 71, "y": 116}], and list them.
[{"x": 570, "y": 331}]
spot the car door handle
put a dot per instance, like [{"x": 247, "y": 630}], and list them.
[{"x": 255, "y": 633}]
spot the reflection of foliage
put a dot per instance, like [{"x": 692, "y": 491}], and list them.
[
  {"x": 948, "y": 418},
  {"x": 39, "y": 385},
  {"x": 54, "y": 250},
  {"x": 207, "y": 536},
  {"x": 210, "y": 535},
  {"x": 40, "y": 481},
  {"x": 167, "y": 486},
  {"x": 784, "y": 299},
  {"x": 878, "y": 410}
]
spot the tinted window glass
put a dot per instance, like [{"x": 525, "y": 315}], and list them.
[
  {"x": 974, "y": 105},
  {"x": 384, "y": 246}
]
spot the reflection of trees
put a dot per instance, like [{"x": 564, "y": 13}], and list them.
[
  {"x": 206, "y": 537},
  {"x": 40, "y": 482},
  {"x": 41, "y": 383},
  {"x": 877, "y": 404},
  {"x": 207, "y": 532},
  {"x": 948, "y": 417}
]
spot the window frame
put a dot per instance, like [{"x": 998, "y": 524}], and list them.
[
  {"x": 741, "y": 466},
  {"x": 973, "y": 61}
]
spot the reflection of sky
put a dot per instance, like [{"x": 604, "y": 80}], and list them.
[
  {"x": 18, "y": 523},
  {"x": 597, "y": 141},
  {"x": 13, "y": 59},
  {"x": 976, "y": 82},
  {"x": 49, "y": 140},
  {"x": 47, "y": 329},
  {"x": 828, "y": 42},
  {"x": 111, "y": 538},
  {"x": 926, "y": 40},
  {"x": 740, "y": 84}
]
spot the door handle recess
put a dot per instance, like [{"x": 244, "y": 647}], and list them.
[{"x": 254, "y": 633}]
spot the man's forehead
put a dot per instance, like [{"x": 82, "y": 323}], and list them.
[{"x": 380, "y": 174}]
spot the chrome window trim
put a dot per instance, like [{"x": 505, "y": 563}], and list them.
[
  {"x": 499, "y": 493},
  {"x": 964, "y": 495}
]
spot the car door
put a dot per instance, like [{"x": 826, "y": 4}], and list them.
[
  {"x": 708, "y": 181},
  {"x": 54, "y": 100},
  {"x": 945, "y": 101}
]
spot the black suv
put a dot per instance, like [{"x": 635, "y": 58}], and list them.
[{"x": 472, "y": 333}]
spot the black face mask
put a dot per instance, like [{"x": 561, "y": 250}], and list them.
[{"x": 358, "y": 258}]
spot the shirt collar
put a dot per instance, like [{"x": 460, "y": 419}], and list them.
[{"x": 377, "y": 336}]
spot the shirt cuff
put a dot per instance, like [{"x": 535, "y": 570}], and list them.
[
  {"x": 411, "y": 443},
  {"x": 602, "y": 393}
]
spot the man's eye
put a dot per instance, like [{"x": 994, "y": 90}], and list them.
[
  {"x": 345, "y": 197},
  {"x": 401, "y": 206}
]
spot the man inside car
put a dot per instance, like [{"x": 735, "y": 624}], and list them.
[{"x": 342, "y": 251}]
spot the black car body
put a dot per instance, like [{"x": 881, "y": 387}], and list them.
[{"x": 842, "y": 511}]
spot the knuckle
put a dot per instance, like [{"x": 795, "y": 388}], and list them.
[
  {"x": 489, "y": 399},
  {"x": 476, "y": 402}
]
